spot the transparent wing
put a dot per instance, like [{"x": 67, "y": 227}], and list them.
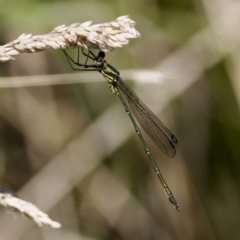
[{"x": 156, "y": 130}]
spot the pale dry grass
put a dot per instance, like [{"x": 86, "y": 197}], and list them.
[
  {"x": 12, "y": 202},
  {"x": 104, "y": 37}
]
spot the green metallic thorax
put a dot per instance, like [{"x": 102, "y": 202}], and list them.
[{"x": 109, "y": 72}]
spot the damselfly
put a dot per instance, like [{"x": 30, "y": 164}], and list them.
[{"x": 156, "y": 130}]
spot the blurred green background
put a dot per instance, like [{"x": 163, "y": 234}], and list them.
[{"x": 71, "y": 149}]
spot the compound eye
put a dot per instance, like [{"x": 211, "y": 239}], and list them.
[{"x": 101, "y": 54}]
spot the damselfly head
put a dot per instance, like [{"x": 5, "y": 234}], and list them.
[
  {"x": 100, "y": 58},
  {"x": 98, "y": 61}
]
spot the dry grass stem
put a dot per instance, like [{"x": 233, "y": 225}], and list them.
[
  {"x": 27, "y": 209},
  {"x": 104, "y": 37}
]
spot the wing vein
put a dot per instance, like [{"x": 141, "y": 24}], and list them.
[{"x": 156, "y": 130}]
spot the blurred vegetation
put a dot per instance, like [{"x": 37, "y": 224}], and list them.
[{"x": 78, "y": 135}]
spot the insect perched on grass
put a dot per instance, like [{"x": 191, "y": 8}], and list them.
[{"x": 156, "y": 130}]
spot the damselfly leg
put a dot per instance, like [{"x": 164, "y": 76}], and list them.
[{"x": 82, "y": 66}]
